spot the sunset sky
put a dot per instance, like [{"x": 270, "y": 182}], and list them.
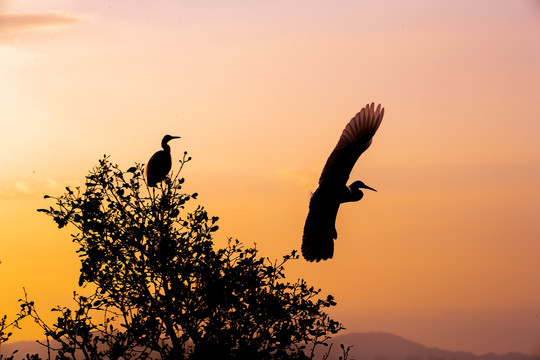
[{"x": 446, "y": 253}]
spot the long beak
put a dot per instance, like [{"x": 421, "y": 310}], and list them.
[
  {"x": 370, "y": 188},
  {"x": 175, "y": 137}
]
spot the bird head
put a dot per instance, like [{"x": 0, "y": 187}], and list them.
[
  {"x": 166, "y": 139},
  {"x": 360, "y": 185}
]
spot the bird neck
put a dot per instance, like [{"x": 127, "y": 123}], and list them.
[
  {"x": 166, "y": 147},
  {"x": 353, "y": 194}
]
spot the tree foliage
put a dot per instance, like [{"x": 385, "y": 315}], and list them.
[
  {"x": 160, "y": 288},
  {"x": 6, "y": 332}
]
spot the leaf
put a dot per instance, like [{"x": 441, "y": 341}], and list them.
[{"x": 141, "y": 254}]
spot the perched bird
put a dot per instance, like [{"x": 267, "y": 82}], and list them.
[
  {"x": 320, "y": 227},
  {"x": 160, "y": 163}
]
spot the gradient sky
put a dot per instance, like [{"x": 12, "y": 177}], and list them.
[{"x": 447, "y": 251}]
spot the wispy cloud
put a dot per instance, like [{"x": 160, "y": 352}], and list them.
[
  {"x": 31, "y": 21},
  {"x": 29, "y": 187},
  {"x": 302, "y": 178},
  {"x": 14, "y": 24},
  {"x": 23, "y": 187},
  {"x": 51, "y": 183}
]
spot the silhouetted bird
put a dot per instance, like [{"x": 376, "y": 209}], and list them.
[
  {"x": 320, "y": 228},
  {"x": 160, "y": 163}
]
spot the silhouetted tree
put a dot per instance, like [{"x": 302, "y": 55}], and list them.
[
  {"x": 159, "y": 287},
  {"x": 6, "y": 332},
  {"x": 5, "y": 329}
]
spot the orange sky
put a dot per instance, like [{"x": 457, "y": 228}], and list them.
[{"x": 445, "y": 253}]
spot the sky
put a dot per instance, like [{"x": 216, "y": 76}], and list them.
[{"x": 445, "y": 253}]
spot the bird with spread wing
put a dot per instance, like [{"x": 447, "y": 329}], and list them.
[{"x": 320, "y": 227}]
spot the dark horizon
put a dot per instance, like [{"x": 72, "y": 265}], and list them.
[{"x": 365, "y": 346}]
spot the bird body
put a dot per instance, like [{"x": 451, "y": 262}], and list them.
[
  {"x": 320, "y": 229},
  {"x": 160, "y": 163}
]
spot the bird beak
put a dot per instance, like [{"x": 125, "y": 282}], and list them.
[
  {"x": 370, "y": 188},
  {"x": 175, "y": 137}
]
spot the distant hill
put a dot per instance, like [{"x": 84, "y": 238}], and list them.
[
  {"x": 24, "y": 347},
  {"x": 366, "y": 346},
  {"x": 384, "y": 346}
]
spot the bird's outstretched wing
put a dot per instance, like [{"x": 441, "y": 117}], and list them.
[{"x": 354, "y": 140}]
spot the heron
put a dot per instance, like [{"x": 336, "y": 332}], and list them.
[
  {"x": 160, "y": 163},
  {"x": 320, "y": 227}
]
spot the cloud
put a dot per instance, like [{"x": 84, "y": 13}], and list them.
[
  {"x": 51, "y": 183},
  {"x": 302, "y": 178},
  {"x": 13, "y": 24},
  {"x": 22, "y": 187},
  {"x": 29, "y": 21},
  {"x": 31, "y": 188}
]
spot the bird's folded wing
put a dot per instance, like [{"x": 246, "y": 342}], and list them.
[
  {"x": 354, "y": 140},
  {"x": 320, "y": 228}
]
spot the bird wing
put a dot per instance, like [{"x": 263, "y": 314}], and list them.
[
  {"x": 320, "y": 227},
  {"x": 158, "y": 167},
  {"x": 354, "y": 140}
]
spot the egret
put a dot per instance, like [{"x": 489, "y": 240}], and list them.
[
  {"x": 160, "y": 163},
  {"x": 320, "y": 227}
]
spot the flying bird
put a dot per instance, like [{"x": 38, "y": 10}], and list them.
[
  {"x": 160, "y": 163},
  {"x": 320, "y": 227}
]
